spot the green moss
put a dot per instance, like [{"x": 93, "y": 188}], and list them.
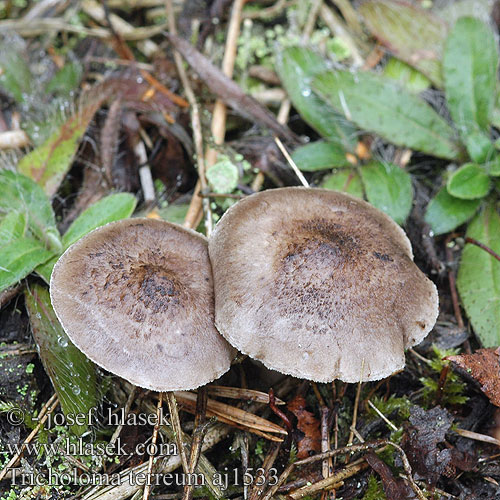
[
  {"x": 374, "y": 491},
  {"x": 453, "y": 387}
]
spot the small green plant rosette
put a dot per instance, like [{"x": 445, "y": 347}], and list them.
[
  {"x": 469, "y": 182},
  {"x": 479, "y": 147},
  {"x": 493, "y": 167},
  {"x": 319, "y": 155},
  {"x": 405, "y": 75},
  {"x": 445, "y": 212},
  {"x": 223, "y": 176}
]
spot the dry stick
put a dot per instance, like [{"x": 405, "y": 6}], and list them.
[
  {"x": 218, "y": 126},
  {"x": 332, "y": 482},
  {"x": 289, "y": 159},
  {"x": 311, "y": 19},
  {"x": 478, "y": 437},
  {"x": 258, "y": 488},
  {"x": 308, "y": 29},
  {"x": 176, "y": 425},
  {"x": 282, "y": 118},
  {"x": 128, "y": 485},
  {"x": 382, "y": 416},
  {"x": 350, "y": 15},
  {"x": 286, "y": 104},
  {"x": 145, "y": 176},
  {"x": 325, "y": 438},
  {"x": 46, "y": 410},
  {"x": 200, "y": 428},
  {"x": 338, "y": 28},
  {"x": 269, "y": 12},
  {"x": 147, "y": 487},
  {"x": 320, "y": 456},
  {"x": 126, "y": 411},
  {"x": 7, "y": 295},
  {"x": 196, "y": 202},
  {"x": 453, "y": 284},
  {"x": 341, "y": 451},
  {"x": 356, "y": 405}
]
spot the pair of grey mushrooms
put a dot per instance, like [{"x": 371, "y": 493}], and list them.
[{"x": 311, "y": 282}]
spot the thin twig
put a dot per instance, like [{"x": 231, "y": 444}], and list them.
[
  {"x": 273, "y": 11},
  {"x": 452, "y": 282},
  {"x": 7, "y": 295},
  {"x": 311, "y": 19},
  {"x": 473, "y": 241},
  {"x": 176, "y": 425},
  {"x": 356, "y": 405},
  {"x": 197, "y": 134},
  {"x": 278, "y": 412},
  {"x": 200, "y": 428},
  {"x": 320, "y": 456},
  {"x": 298, "y": 173},
  {"x": 382, "y": 416},
  {"x": 219, "y": 114},
  {"x": 147, "y": 487},
  {"x": 218, "y": 126},
  {"x": 328, "y": 483},
  {"x": 338, "y": 28},
  {"x": 261, "y": 482},
  {"x": 46, "y": 410},
  {"x": 478, "y": 437},
  {"x": 126, "y": 411}
]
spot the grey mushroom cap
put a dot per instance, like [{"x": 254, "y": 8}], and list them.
[
  {"x": 136, "y": 296},
  {"x": 319, "y": 285}
]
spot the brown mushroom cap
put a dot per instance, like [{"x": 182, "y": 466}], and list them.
[
  {"x": 319, "y": 285},
  {"x": 136, "y": 296}
]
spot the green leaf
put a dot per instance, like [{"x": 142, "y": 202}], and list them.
[
  {"x": 12, "y": 227},
  {"x": 470, "y": 65},
  {"x": 15, "y": 73},
  {"x": 493, "y": 166},
  {"x": 406, "y": 76},
  {"x": 479, "y": 147},
  {"x": 223, "y": 176},
  {"x": 296, "y": 67},
  {"x": 48, "y": 163},
  {"x": 452, "y": 11},
  {"x": 469, "y": 182},
  {"x": 72, "y": 374},
  {"x": 174, "y": 213},
  {"x": 22, "y": 195},
  {"x": 319, "y": 155},
  {"x": 410, "y": 33},
  {"x": 111, "y": 208},
  {"x": 478, "y": 279},
  {"x": 66, "y": 79},
  {"x": 378, "y": 105},
  {"x": 346, "y": 180},
  {"x": 18, "y": 258},
  {"x": 445, "y": 212},
  {"x": 388, "y": 188}
]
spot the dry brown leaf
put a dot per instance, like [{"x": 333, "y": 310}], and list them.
[
  {"x": 484, "y": 367},
  {"x": 309, "y": 441}
]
